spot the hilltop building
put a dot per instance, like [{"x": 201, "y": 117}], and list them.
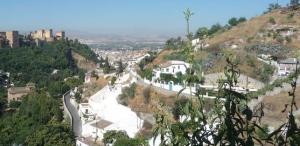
[
  {"x": 13, "y": 38},
  {"x": 43, "y": 35},
  {"x": 60, "y": 35},
  {"x": 3, "y": 41},
  {"x": 16, "y": 93}
]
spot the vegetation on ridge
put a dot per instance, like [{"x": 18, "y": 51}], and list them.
[{"x": 39, "y": 118}]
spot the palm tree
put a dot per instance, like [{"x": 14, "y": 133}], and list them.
[{"x": 187, "y": 15}]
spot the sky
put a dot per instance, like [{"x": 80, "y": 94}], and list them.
[{"x": 124, "y": 17}]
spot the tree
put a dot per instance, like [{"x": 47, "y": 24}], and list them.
[
  {"x": 233, "y": 21},
  {"x": 127, "y": 94},
  {"x": 71, "y": 62},
  {"x": 172, "y": 43},
  {"x": 202, "y": 32},
  {"x": 107, "y": 67},
  {"x": 272, "y": 20},
  {"x": 180, "y": 77},
  {"x": 94, "y": 75},
  {"x": 14, "y": 104},
  {"x": 273, "y": 6},
  {"x": 77, "y": 97},
  {"x": 120, "y": 68},
  {"x": 294, "y": 4},
  {"x": 106, "y": 62},
  {"x": 214, "y": 28},
  {"x": 187, "y": 15},
  {"x": 101, "y": 60},
  {"x": 57, "y": 89},
  {"x": 179, "y": 105},
  {"x": 3, "y": 100},
  {"x": 38, "y": 121},
  {"x": 49, "y": 135},
  {"x": 147, "y": 95},
  {"x": 147, "y": 73},
  {"x": 242, "y": 19},
  {"x": 230, "y": 121},
  {"x": 142, "y": 65},
  {"x": 113, "y": 80}
]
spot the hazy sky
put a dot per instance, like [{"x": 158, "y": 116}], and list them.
[{"x": 125, "y": 17}]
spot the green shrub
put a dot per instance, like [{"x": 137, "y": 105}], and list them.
[
  {"x": 272, "y": 20},
  {"x": 113, "y": 80},
  {"x": 280, "y": 39},
  {"x": 147, "y": 73},
  {"x": 167, "y": 77},
  {"x": 77, "y": 97},
  {"x": 146, "y": 94},
  {"x": 111, "y": 136},
  {"x": 127, "y": 94},
  {"x": 130, "y": 142},
  {"x": 265, "y": 73},
  {"x": 263, "y": 133},
  {"x": 179, "y": 55},
  {"x": 14, "y": 104},
  {"x": 288, "y": 39}
]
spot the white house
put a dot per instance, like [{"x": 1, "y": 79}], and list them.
[
  {"x": 135, "y": 60},
  {"x": 97, "y": 128},
  {"x": 105, "y": 113},
  {"x": 287, "y": 66},
  {"x": 170, "y": 67},
  {"x": 86, "y": 112}
]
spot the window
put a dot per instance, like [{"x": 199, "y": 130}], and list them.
[
  {"x": 167, "y": 70},
  {"x": 178, "y": 66}
]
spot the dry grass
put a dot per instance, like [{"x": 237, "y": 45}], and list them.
[
  {"x": 242, "y": 31},
  {"x": 273, "y": 107},
  {"x": 93, "y": 87},
  {"x": 137, "y": 103},
  {"x": 161, "y": 57},
  {"x": 250, "y": 28},
  {"x": 244, "y": 65}
]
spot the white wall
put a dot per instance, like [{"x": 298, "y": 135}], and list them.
[
  {"x": 79, "y": 143},
  {"x": 173, "y": 69}
]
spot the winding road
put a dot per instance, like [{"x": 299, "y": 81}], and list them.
[{"x": 75, "y": 118}]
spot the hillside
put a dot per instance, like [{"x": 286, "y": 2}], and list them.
[
  {"x": 252, "y": 30},
  {"x": 82, "y": 62},
  {"x": 276, "y": 33},
  {"x": 39, "y": 115}
]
